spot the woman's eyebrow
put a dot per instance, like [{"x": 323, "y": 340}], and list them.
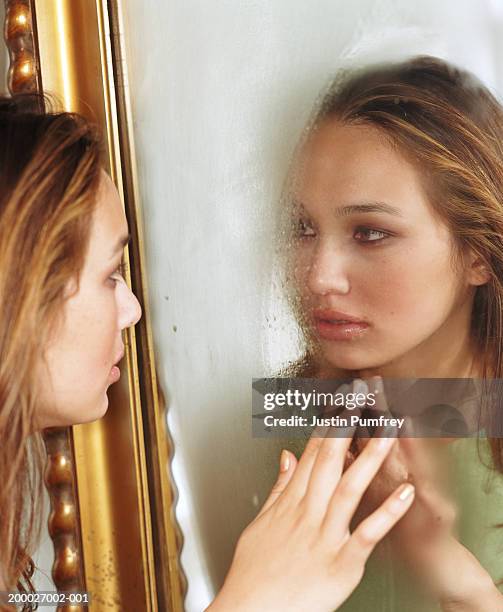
[
  {"x": 352, "y": 209},
  {"x": 121, "y": 243},
  {"x": 366, "y": 207}
]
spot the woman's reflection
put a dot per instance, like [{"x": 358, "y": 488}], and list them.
[{"x": 396, "y": 270}]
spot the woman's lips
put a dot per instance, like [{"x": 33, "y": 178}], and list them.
[
  {"x": 115, "y": 374},
  {"x": 334, "y": 325}
]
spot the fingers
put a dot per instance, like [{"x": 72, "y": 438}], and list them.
[
  {"x": 305, "y": 464},
  {"x": 326, "y": 472},
  {"x": 331, "y": 462},
  {"x": 328, "y": 452},
  {"x": 376, "y": 385},
  {"x": 331, "y": 459},
  {"x": 381, "y": 402},
  {"x": 370, "y": 531},
  {"x": 355, "y": 481},
  {"x": 287, "y": 465}
]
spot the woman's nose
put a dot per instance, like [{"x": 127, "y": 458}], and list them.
[
  {"x": 129, "y": 307},
  {"x": 328, "y": 271}
]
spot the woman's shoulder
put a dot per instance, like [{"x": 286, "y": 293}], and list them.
[{"x": 478, "y": 490}]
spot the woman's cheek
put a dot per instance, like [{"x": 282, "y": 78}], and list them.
[
  {"x": 408, "y": 292},
  {"x": 104, "y": 312},
  {"x": 112, "y": 310},
  {"x": 385, "y": 285}
]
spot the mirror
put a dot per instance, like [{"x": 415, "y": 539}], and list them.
[
  {"x": 203, "y": 105},
  {"x": 3, "y": 54},
  {"x": 110, "y": 491},
  {"x": 220, "y": 96}
]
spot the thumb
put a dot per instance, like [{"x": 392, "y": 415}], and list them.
[{"x": 287, "y": 465}]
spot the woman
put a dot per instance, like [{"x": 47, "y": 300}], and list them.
[
  {"x": 397, "y": 265},
  {"x": 64, "y": 306}
]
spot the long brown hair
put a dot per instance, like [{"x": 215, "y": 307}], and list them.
[
  {"x": 49, "y": 171},
  {"x": 451, "y": 126}
]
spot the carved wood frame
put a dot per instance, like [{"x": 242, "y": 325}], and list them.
[{"x": 112, "y": 496}]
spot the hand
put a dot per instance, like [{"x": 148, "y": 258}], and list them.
[
  {"x": 298, "y": 553},
  {"x": 425, "y": 538}
]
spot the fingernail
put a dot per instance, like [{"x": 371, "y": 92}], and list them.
[
  {"x": 383, "y": 443},
  {"x": 284, "y": 462},
  {"x": 360, "y": 386},
  {"x": 404, "y": 494},
  {"x": 378, "y": 384},
  {"x": 344, "y": 388},
  {"x": 406, "y": 490}
]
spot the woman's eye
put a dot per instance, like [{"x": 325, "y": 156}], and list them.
[
  {"x": 367, "y": 234},
  {"x": 304, "y": 229},
  {"x": 119, "y": 272}
]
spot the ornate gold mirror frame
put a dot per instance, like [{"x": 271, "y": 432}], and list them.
[{"x": 112, "y": 498}]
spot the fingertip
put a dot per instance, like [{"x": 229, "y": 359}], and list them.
[
  {"x": 285, "y": 461},
  {"x": 406, "y": 491},
  {"x": 402, "y": 498},
  {"x": 360, "y": 386},
  {"x": 385, "y": 443},
  {"x": 377, "y": 383}
]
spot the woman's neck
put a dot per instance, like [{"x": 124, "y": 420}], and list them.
[{"x": 459, "y": 360}]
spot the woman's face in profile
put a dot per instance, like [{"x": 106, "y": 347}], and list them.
[
  {"x": 88, "y": 340},
  {"x": 373, "y": 262}
]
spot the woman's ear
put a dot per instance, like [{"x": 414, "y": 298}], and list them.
[{"x": 477, "y": 270}]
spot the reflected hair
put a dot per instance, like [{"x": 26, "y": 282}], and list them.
[
  {"x": 449, "y": 125},
  {"x": 49, "y": 172}
]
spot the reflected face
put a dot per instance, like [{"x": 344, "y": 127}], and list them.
[
  {"x": 88, "y": 342},
  {"x": 373, "y": 262}
]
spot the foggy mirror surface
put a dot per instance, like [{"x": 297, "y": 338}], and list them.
[{"x": 221, "y": 94}]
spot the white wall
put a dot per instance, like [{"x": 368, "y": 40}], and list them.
[{"x": 220, "y": 93}]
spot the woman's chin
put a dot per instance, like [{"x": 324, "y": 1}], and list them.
[
  {"x": 93, "y": 412},
  {"x": 349, "y": 358}
]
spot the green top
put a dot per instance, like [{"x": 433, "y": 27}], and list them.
[{"x": 478, "y": 492}]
